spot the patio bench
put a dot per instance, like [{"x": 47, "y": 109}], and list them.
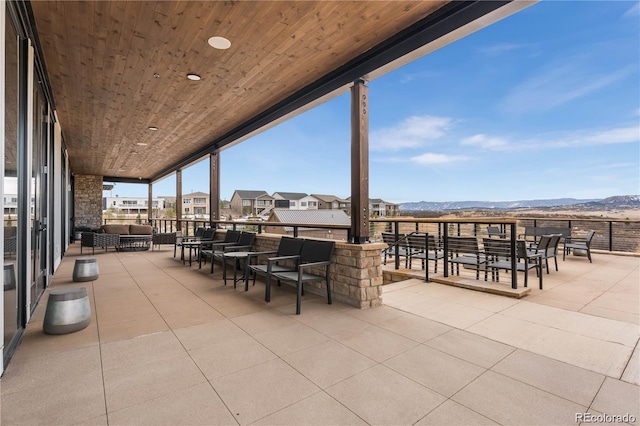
[
  {"x": 424, "y": 247},
  {"x": 130, "y": 237},
  {"x": 395, "y": 248}
]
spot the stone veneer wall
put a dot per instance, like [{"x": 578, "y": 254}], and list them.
[
  {"x": 356, "y": 272},
  {"x": 88, "y": 201}
]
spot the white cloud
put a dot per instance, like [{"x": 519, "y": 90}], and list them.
[
  {"x": 409, "y": 77},
  {"x": 559, "y": 85},
  {"x": 598, "y": 137},
  {"x": 412, "y": 132},
  {"x": 574, "y": 139},
  {"x": 634, "y": 11},
  {"x": 430, "y": 158},
  {"x": 500, "y": 48},
  {"x": 485, "y": 142}
]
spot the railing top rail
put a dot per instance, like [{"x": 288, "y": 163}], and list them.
[
  {"x": 291, "y": 224},
  {"x": 580, "y": 219},
  {"x": 446, "y": 220},
  {"x": 487, "y": 220}
]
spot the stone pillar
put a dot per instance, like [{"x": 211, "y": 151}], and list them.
[
  {"x": 356, "y": 274},
  {"x": 88, "y": 201}
]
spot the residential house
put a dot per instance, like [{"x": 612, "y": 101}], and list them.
[
  {"x": 251, "y": 203},
  {"x": 331, "y": 202},
  {"x": 309, "y": 217},
  {"x": 169, "y": 201},
  {"x": 381, "y": 208},
  {"x": 295, "y": 201},
  {"x": 195, "y": 205},
  {"x": 130, "y": 205}
]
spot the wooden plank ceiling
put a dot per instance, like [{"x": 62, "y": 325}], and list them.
[{"x": 101, "y": 58}]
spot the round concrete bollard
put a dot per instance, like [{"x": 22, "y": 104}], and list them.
[
  {"x": 85, "y": 270},
  {"x": 68, "y": 310},
  {"x": 9, "y": 277}
]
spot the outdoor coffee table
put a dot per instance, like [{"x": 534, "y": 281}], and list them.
[
  {"x": 236, "y": 256},
  {"x": 134, "y": 242}
]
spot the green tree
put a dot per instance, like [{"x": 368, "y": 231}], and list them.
[
  {"x": 110, "y": 213},
  {"x": 170, "y": 213}
]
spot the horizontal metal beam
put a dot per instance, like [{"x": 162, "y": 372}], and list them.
[{"x": 125, "y": 180}]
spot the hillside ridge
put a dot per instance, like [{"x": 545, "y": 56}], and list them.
[{"x": 617, "y": 201}]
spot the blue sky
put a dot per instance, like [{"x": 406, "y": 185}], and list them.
[{"x": 543, "y": 104}]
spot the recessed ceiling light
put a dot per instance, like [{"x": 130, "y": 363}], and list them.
[
  {"x": 219, "y": 42},
  {"x": 153, "y": 128},
  {"x": 194, "y": 77},
  {"x": 141, "y": 144}
]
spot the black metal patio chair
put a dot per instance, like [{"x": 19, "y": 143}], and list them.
[
  {"x": 579, "y": 244},
  {"x": 207, "y": 245},
  {"x": 217, "y": 252},
  {"x": 287, "y": 247},
  {"x": 498, "y": 256},
  {"x": 313, "y": 265}
]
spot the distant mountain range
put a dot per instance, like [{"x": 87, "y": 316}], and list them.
[{"x": 619, "y": 201}]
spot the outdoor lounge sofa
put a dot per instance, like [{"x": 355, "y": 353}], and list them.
[{"x": 131, "y": 237}]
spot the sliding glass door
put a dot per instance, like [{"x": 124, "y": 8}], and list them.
[{"x": 14, "y": 293}]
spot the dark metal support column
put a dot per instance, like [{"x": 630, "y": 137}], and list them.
[
  {"x": 359, "y": 162},
  {"x": 179, "y": 200},
  {"x": 214, "y": 186},
  {"x": 150, "y": 204}
]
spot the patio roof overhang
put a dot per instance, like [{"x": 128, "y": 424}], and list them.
[{"x": 118, "y": 69}]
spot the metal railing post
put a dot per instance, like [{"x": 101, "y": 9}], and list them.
[
  {"x": 610, "y": 235},
  {"x": 396, "y": 237},
  {"x": 514, "y": 260},
  {"x": 426, "y": 257},
  {"x": 445, "y": 245}
]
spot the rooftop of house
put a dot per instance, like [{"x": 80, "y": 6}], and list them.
[
  {"x": 291, "y": 195},
  {"x": 331, "y": 217}
]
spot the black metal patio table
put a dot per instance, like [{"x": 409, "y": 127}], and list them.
[{"x": 236, "y": 256}]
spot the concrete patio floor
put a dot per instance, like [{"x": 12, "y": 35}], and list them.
[{"x": 169, "y": 344}]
